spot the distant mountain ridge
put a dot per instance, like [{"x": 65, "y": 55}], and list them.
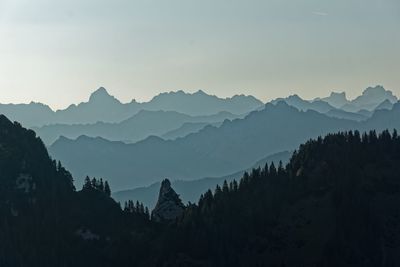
[
  {"x": 168, "y": 125},
  {"x": 370, "y": 99},
  {"x": 338, "y": 106},
  {"x": 141, "y": 125},
  {"x": 102, "y": 107}
]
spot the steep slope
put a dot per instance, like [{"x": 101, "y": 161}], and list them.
[
  {"x": 45, "y": 222},
  {"x": 169, "y": 206},
  {"x": 27, "y": 174},
  {"x": 385, "y": 105},
  {"x": 101, "y": 106}
]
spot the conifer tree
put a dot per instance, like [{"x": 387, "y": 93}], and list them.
[
  {"x": 87, "y": 184},
  {"x": 94, "y": 183},
  {"x": 225, "y": 188},
  {"x": 272, "y": 169},
  {"x": 101, "y": 185},
  {"x": 107, "y": 189}
]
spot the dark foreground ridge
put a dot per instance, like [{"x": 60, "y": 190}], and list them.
[{"x": 336, "y": 203}]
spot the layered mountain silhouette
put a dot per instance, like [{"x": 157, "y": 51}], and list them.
[
  {"x": 370, "y": 99},
  {"x": 188, "y": 128},
  {"x": 31, "y": 114},
  {"x": 304, "y": 105},
  {"x": 385, "y": 105},
  {"x": 212, "y": 152},
  {"x": 338, "y": 106},
  {"x": 170, "y": 124},
  {"x": 103, "y": 107},
  {"x": 136, "y": 128}
]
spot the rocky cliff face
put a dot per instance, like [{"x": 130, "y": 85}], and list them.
[{"x": 169, "y": 205}]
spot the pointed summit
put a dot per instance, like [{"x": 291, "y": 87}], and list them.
[
  {"x": 169, "y": 205},
  {"x": 101, "y": 95},
  {"x": 373, "y": 96},
  {"x": 201, "y": 93}
]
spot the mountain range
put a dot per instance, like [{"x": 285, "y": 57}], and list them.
[
  {"x": 211, "y": 152},
  {"x": 338, "y": 106},
  {"x": 370, "y": 99},
  {"x": 174, "y": 114},
  {"x": 102, "y": 107},
  {"x": 204, "y": 132}
]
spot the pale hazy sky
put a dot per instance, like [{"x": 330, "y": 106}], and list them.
[{"x": 58, "y": 51}]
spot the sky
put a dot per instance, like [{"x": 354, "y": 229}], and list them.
[{"x": 59, "y": 51}]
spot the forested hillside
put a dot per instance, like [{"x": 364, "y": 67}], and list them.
[{"x": 336, "y": 203}]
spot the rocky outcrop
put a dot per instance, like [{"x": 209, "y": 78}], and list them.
[{"x": 169, "y": 206}]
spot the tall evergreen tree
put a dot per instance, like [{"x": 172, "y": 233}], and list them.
[{"x": 107, "y": 189}]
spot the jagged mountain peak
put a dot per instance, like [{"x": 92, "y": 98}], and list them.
[
  {"x": 373, "y": 96},
  {"x": 374, "y": 90},
  {"x": 337, "y": 97},
  {"x": 102, "y": 95},
  {"x": 379, "y": 91},
  {"x": 200, "y": 92},
  {"x": 165, "y": 187},
  {"x": 169, "y": 205},
  {"x": 295, "y": 97}
]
